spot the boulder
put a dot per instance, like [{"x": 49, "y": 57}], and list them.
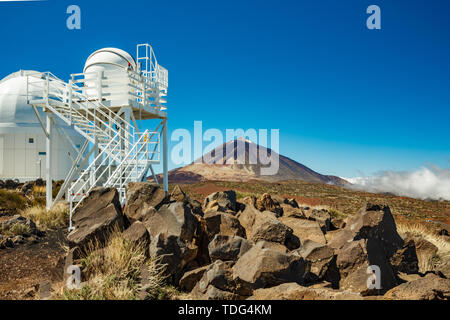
[
  {"x": 430, "y": 287},
  {"x": 39, "y": 182},
  {"x": 6, "y": 242},
  {"x": 178, "y": 195},
  {"x": 9, "y": 222},
  {"x": 330, "y": 235},
  {"x": 323, "y": 217},
  {"x": 174, "y": 237},
  {"x": 374, "y": 222},
  {"x": 323, "y": 262},
  {"x": 225, "y": 248},
  {"x": 274, "y": 246},
  {"x": 292, "y": 202},
  {"x": 190, "y": 278},
  {"x": 222, "y": 223},
  {"x": 11, "y": 184},
  {"x": 265, "y": 226},
  {"x": 266, "y": 267},
  {"x": 221, "y": 201},
  {"x": 217, "y": 282},
  {"x": 353, "y": 261},
  {"x": 294, "y": 291},
  {"x": 175, "y": 254},
  {"x": 370, "y": 238},
  {"x": 137, "y": 233},
  {"x": 248, "y": 201},
  {"x": 405, "y": 259},
  {"x": 143, "y": 199},
  {"x": 305, "y": 229},
  {"x": 266, "y": 203},
  {"x": 290, "y": 211},
  {"x": 272, "y": 230},
  {"x": 96, "y": 216}
]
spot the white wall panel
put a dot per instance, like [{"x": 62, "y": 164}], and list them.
[
  {"x": 19, "y": 163},
  {"x": 1, "y": 156}
]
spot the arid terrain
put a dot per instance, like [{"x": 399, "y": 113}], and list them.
[
  {"x": 432, "y": 214},
  {"x": 37, "y": 258}
]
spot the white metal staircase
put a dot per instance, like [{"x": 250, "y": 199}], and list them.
[
  {"x": 103, "y": 105},
  {"x": 124, "y": 154}
]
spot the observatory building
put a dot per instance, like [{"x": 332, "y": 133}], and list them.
[
  {"x": 86, "y": 130},
  {"x": 22, "y": 141}
]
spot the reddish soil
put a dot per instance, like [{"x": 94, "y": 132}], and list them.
[
  {"x": 27, "y": 265},
  {"x": 208, "y": 188}
]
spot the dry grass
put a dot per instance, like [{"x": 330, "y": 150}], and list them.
[
  {"x": 119, "y": 271},
  {"x": 39, "y": 190},
  {"x": 241, "y": 195},
  {"x": 426, "y": 262},
  {"x": 336, "y": 213},
  {"x": 17, "y": 229},
  {"x": 11, "y": 200},
  {"x": 56, "y": 218}
]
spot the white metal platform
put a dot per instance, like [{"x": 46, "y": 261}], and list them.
[{"x": 105, "y": 107}]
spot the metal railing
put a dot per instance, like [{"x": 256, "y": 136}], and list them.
[{"x": 119, "y": 142}]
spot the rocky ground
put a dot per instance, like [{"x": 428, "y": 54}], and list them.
[
  {"x": 234, "y": 245},
  {"x": 27, "y": 266},
  {"x": 29, "y": 256}
]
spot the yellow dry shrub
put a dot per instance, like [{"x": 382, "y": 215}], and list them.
[
  {"x": 55, "y": 218},
  {"x": 428, "y": 263},
  {"x": 116, "y": 272}
]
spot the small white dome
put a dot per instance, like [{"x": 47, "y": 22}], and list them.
[
  {"x": 13, "y": 99},
  {"x": 108, "y": 59}
]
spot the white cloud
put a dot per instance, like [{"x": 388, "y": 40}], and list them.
[{"x": 429, "y": 182}]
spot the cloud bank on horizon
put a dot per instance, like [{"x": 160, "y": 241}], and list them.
[{"x": 428, "y": 182}]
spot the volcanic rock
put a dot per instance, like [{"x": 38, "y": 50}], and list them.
[
  {"x": 143, "y": 200},
  {"x": 97, "y": 215},
  {"x": 225, "y": 248}
]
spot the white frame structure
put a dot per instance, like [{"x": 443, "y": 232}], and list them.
[{"x": 105, "y": 108}]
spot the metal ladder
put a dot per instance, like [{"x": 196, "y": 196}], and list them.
[{"x": 127, "y": 149}]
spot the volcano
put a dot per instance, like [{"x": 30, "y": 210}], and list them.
[{"x": 239, "y": 164}]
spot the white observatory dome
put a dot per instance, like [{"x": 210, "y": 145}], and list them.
[
  {"x": 112, "y": 63},
  {"x": 13, "y": 99},
  {"x": 22, "y": 140},
  {"x": 108, "y": 59}
]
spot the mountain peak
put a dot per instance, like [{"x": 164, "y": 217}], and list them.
[
  {"x": 243, "y": 139},
  {"x": 233, "y": 162}
]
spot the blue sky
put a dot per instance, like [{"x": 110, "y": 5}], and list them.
[{"x": 347, "y": 100}]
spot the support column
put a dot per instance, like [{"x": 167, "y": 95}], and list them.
[
  {"x": 127, "y": 129},
  {"x": 96, "y": 150},
  {"x": 48, "y": 162},
  {"x": 165, "y": 173}
]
